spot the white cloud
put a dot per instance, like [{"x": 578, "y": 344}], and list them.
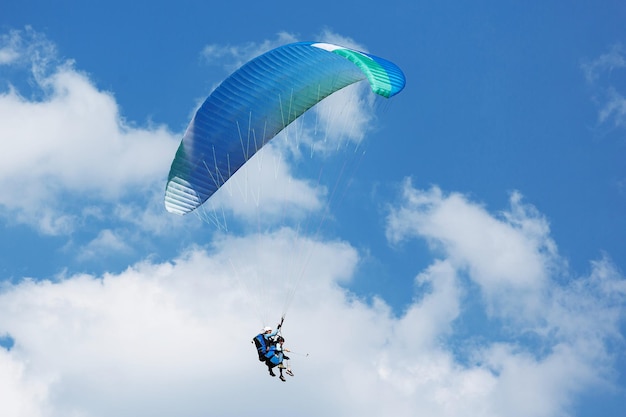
[
  {"x": 263, "y": 191},
  {"x": 107, "y": 242},
  {"x": 509, "y": 257},
  {"x": 169, "y": 332},
  {"x": 603, "y": 75},
  {"x": 608, "y": 62},
  {"x": 176, "y": 336},
  {"x": 614, "y": 108},
  {"x": 9, "y": 48},
  {"x": 68, "y": 142},
  {"x": 517, "y": 268},
  {"x": 237, "y": 55}
]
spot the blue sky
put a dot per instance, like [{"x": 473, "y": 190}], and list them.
[{"x": 472, "y": 262}]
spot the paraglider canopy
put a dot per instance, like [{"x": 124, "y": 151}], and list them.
[{"x": 255, "y": 103}]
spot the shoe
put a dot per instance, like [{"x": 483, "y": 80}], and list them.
[
  {"x": 288, "y": 371},
  {"x": 272, "y": 373},
  {"x": 282, "y": 378}
]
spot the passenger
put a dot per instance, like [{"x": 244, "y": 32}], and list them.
[{"x": 277, "y": 358}]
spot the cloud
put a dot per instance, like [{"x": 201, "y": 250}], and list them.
[
  {"x": 9, "y": 50},
  {"x": 68, "y": 142},
  {"x": 175, "y": 336},
  {"x": 264, "y": 191},
  {"x": 603, "y": 74},
  {"x": 237, "y": 55},
  {"x": 510, "y": 258},
  {"x": 106, "y": 242},
  {"x": 554, "y": 338},
  {"x": 145, "y": 332},
  {"x": 608, "y": 62}
]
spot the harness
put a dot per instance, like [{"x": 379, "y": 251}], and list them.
[{"x": 263, "y": 347}]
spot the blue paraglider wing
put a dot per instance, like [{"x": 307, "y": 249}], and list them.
[{"x": 255, "y": 103}]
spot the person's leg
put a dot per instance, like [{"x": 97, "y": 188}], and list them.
[{"x": 270, "y": 365}]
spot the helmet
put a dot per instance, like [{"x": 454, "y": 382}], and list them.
[{"x": 267, "y": 329}]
